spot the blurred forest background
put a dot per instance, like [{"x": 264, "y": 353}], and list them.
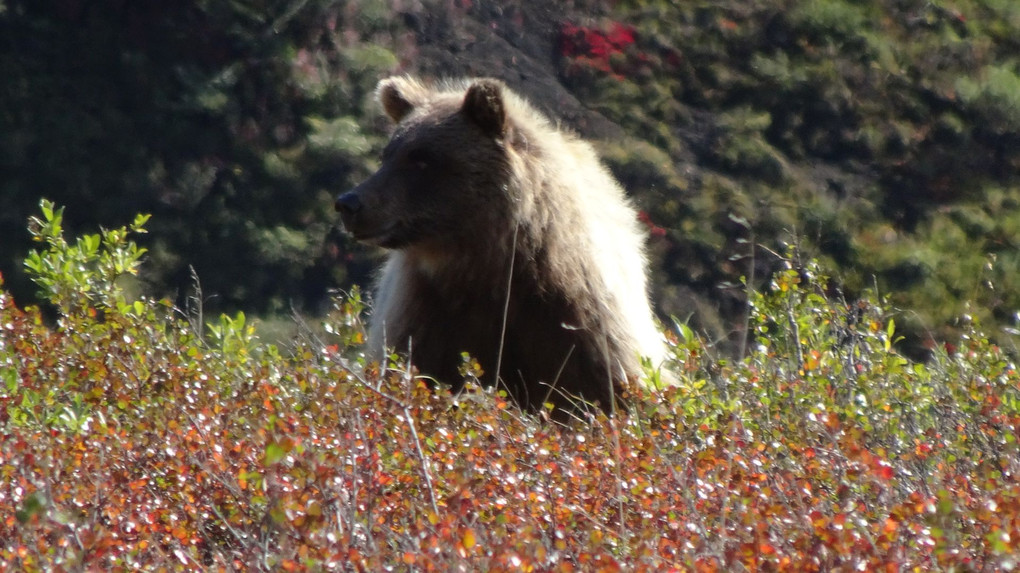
[{"x": 881, "y": 136}]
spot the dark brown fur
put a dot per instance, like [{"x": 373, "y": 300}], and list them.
[{"x": 510, "y": 242}]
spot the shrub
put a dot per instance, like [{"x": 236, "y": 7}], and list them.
[
  {"x": 130, "y": 441},
  {"x": 995, "y": 96}
]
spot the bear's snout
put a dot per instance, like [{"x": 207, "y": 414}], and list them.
[
  {"x": 348, "y": 204},
  {"x": 360, "y": 219}
]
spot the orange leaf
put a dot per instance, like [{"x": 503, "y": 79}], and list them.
[{"x": 890, "y": 526}]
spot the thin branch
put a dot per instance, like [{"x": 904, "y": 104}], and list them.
[{"x": 506, "y": 303}]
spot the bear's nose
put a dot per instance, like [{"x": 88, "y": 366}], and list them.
[{"x": 348, "y": 204}]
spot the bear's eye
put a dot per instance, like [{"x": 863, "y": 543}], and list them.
[{"x": 420, "y": 159}]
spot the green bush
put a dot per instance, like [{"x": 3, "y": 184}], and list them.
[
  {"x": 994, "y": 95},
  {"x": 829, "y": 20},
  {"x": 84, "y": 275}
]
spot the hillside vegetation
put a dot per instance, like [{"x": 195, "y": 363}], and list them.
[{"x": 881, "y": 137}]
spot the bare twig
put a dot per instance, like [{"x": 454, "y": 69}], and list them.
[
  {"x": 193, "y": 303},
  {"x": 506, "y": 303},
  {"x": 796, "y": 334},
  {"x": 556, "y": 380}
]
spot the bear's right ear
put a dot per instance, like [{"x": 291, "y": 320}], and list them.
[
  {"x": 398, "y": 96},
  {"x": 484, "y": 104}
]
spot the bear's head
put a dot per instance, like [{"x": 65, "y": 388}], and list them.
[{"x": 444, "y": 178}]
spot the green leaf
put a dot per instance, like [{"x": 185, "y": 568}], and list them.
[
  {"x": 47, "y": 208},
  {"x": 34, "y": 506},
  {"x": 890, "y": 331},
  {"x": 274, "y": 453}
]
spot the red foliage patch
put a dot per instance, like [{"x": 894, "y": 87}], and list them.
[
  {"x": 594, "y": 47},
  {"x": 653, "y": 229}
]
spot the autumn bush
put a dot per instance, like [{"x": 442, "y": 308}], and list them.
[{"x": 133, "y": 436}]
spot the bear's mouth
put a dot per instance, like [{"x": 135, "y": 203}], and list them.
[
  {"x": 387, "y": 238},
  {"x": 363, "y": 231},
  {"x": 388, "y": 234},
  {"x": 371, "y": 238}
]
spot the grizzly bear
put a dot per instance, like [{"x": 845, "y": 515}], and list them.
[{"x": 509, "y": 241}]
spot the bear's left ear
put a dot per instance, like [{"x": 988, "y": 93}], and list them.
[
  {"x": 484, "y": 105},
  {"x": 399, "y": 96}
]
